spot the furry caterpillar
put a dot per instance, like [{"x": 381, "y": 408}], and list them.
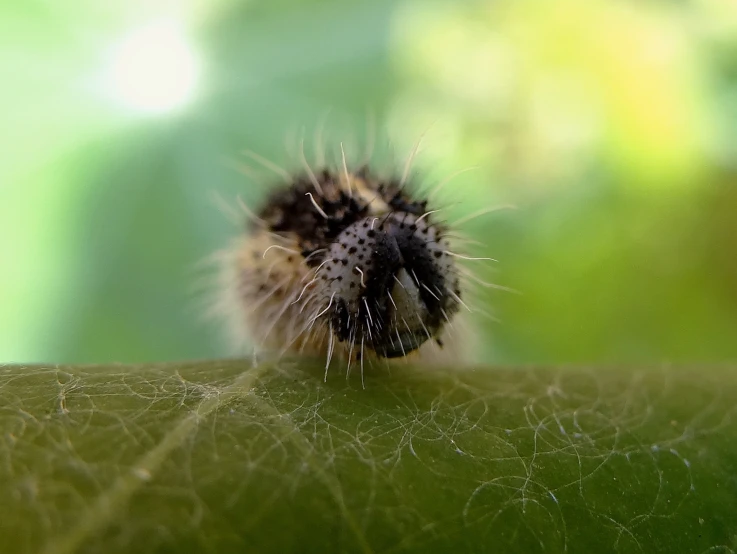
[{"x": 346, "y": 264}]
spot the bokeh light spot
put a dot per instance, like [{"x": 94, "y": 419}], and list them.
[{"x": 154, "y": 68}]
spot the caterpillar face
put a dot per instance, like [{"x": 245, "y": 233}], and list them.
[
  {"x": 345, "y": 263},
  {"x": 373, "y": 280}
]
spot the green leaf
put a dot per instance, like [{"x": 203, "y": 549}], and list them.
[{"x": 222, "y": 457}]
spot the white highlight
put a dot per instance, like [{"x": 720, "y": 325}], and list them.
[{"x": 153, "y": 68}]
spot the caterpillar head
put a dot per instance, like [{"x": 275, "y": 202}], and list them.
[{"x": 389, "y": 283}]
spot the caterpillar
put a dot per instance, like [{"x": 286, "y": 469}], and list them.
[{"x": 347, "y": 264}]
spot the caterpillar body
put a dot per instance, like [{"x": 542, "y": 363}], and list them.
[{"x": 348, "y": 265}]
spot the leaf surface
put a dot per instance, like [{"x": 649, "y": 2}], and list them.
[{"x": 218, "y": 456}]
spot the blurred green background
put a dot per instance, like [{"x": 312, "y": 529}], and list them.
[{"x": 612, "y": 125}]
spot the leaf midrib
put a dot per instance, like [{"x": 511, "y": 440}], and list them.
[{"x": 110, "y": 502}]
